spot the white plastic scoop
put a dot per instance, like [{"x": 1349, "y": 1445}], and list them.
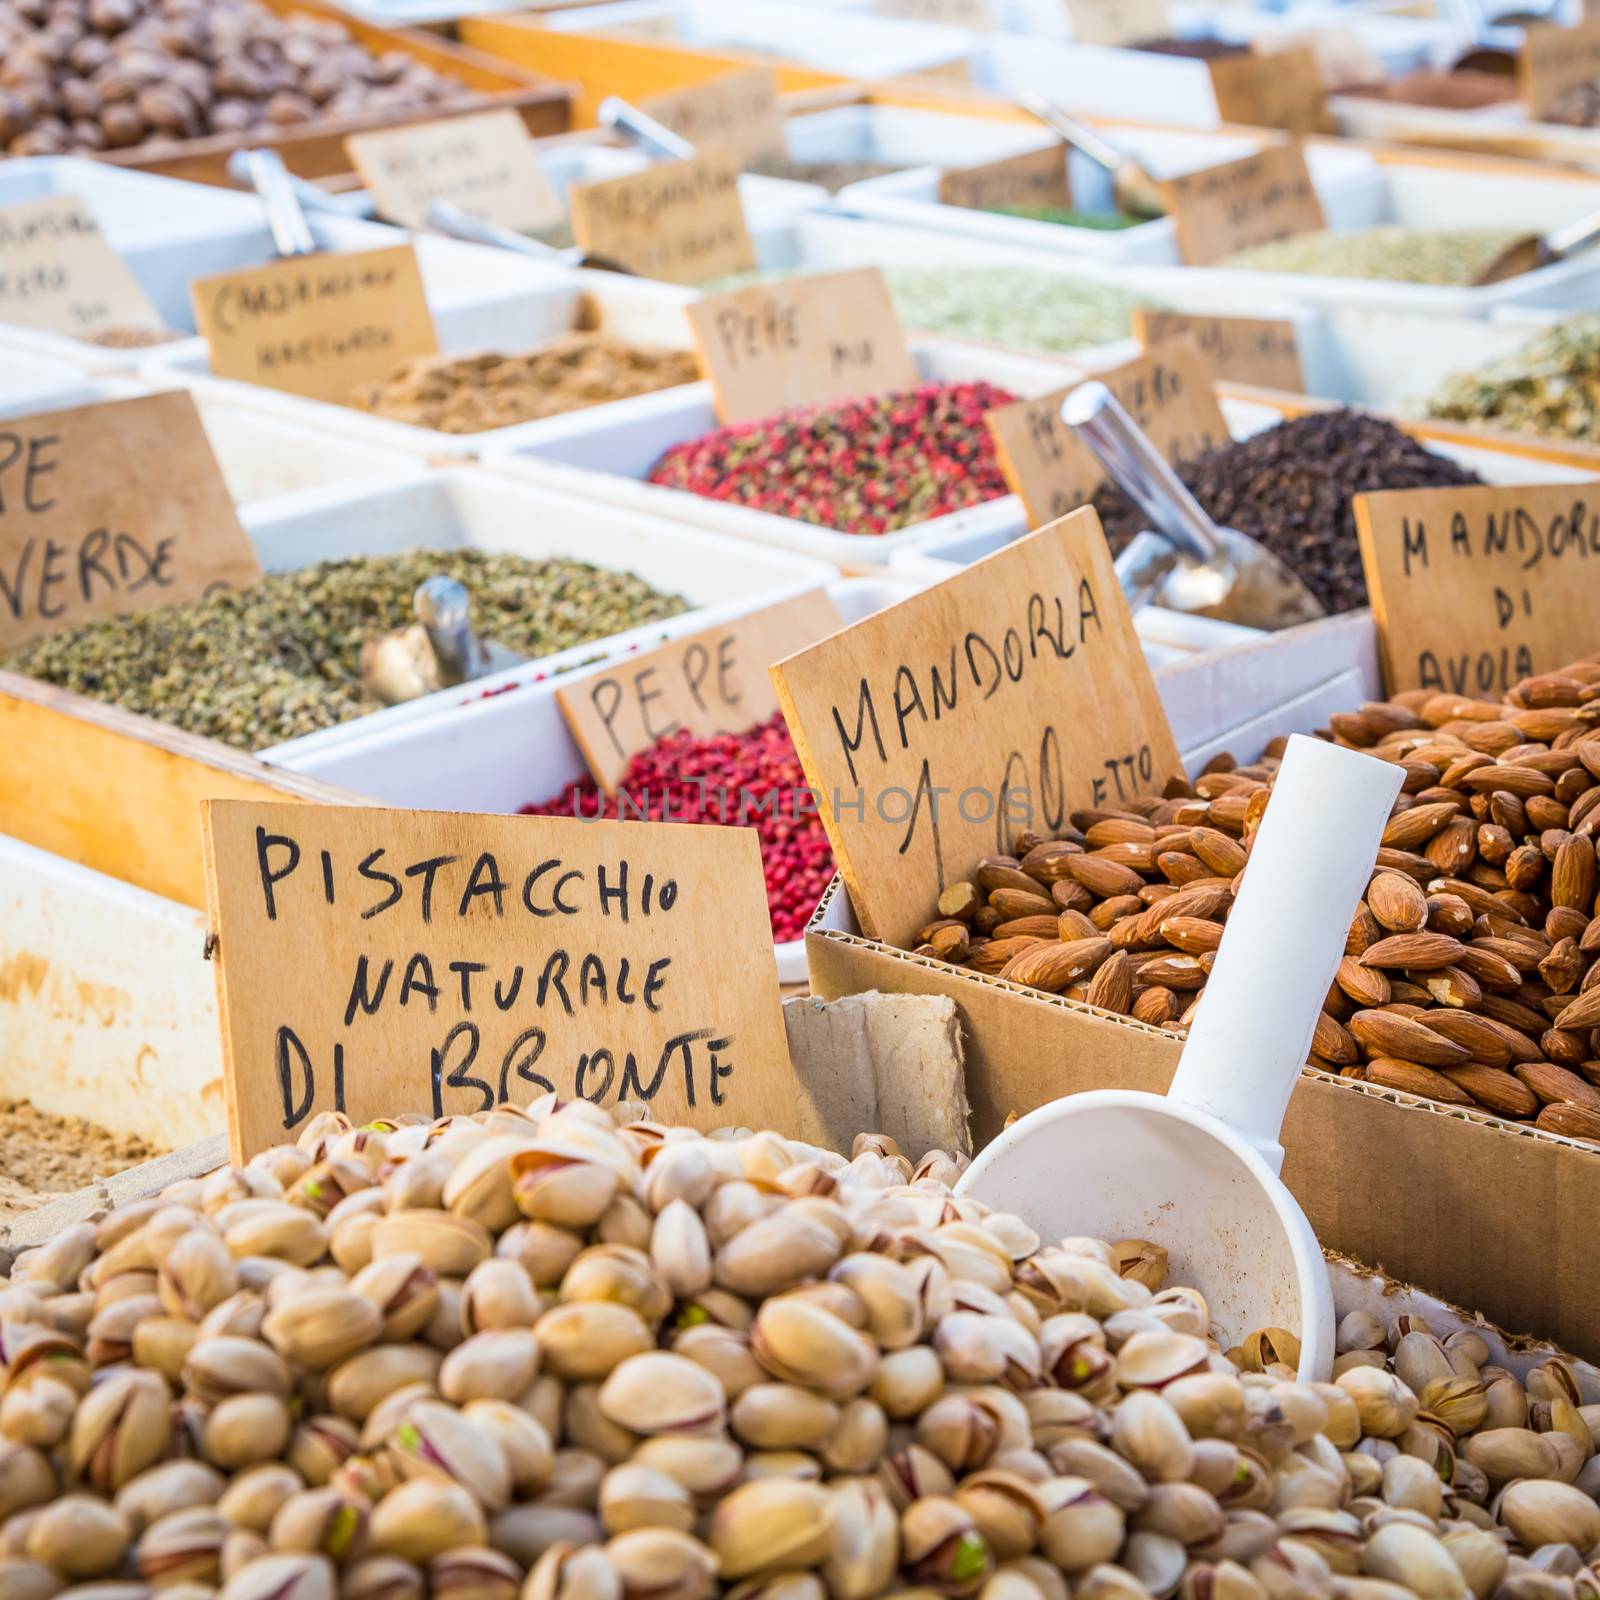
[{"x": 1197, "y": 1170}]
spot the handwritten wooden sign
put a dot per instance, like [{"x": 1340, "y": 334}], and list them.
[
  {"x": 1000, "y": 699},
  {"x": 1475, "y": 588},
  {"x": 1555, "y": 59},
  {"x": 1276, "y": 89},
  {"x": 681, "y": 221},
  {"x": 710, "y": 682},
  {"x": 976, "y": 14},
  {"x": 58, "y": 274},
  {"x": 379, "y": 961},
  {"x": 1168, "y": 392},
  {"x": 1239, "y": 204},
  {"x": 1256, "y": 350},
  {"x": 1034, "y": 178},
  {"x": 483, "y": 163},
  {"x": 1118, "y": 21},
  {"x": 800, "y": 342},
  {"x": 112, "y": 508},
  {"x": 319, "y": 326},
  {"x": 738, "y": 110}
]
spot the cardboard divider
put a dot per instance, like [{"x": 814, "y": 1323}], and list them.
[{"x": 121, "y": 793}]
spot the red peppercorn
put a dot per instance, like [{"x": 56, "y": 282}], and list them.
[
  {"x": 869, "y": 466},
  {"x": 752, "y": 779}
]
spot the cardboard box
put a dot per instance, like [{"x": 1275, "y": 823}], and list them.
[{"x": 1488, "y": 1213}]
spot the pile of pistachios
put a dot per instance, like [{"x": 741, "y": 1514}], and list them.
[{"x": 548, "y": 1353}]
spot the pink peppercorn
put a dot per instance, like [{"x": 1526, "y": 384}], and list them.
[
  {"x": 751, "y": 779},
  {"x": 869, "y": 466}
]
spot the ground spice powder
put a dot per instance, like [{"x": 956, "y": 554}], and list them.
[
  {"x": 752, "y": 780},
  {"x": 868, "y": 466}
]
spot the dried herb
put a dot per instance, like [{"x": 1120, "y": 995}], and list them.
[
  {"x": 1444, "y": 257},
  {"x": 1550, "y": 386}
]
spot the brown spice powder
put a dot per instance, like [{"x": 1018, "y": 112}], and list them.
[{"x": 42, "y": 1155}]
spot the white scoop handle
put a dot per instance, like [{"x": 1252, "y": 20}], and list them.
[{"x": 1309, "y": 865}]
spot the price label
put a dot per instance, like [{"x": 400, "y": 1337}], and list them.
[
  {"x": 957, "y": 13},
  {"x": 1476, "y": 588},
  {"x": 711, "y": 682},
  {"x": 377, "y": 961},
  {"x": 1035, "y": 178},
  {"x": 1281, "y": 89},
  {"x": 800, "y": 342},
  {"x": 1167, "y": 392},
  {"x": 319, "y": 326},
  {"x": 738, "y": 110},
  {"x": 112, "y": 508},
  {"x": 998, "y": 700},
  {"x": 1239, "y": 204},
  {"x": 483, "y": 163},
  {"x": 681, "y": 221},
  {"x": 1256, "y": 350},
  {"x": 58, "y": 274},
  {"x": 1555, "y": 59},
  {"x": 1118, "y": 21}
]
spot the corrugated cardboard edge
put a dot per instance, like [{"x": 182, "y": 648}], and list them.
[
  {"x": 881, "y": 1063},
  {"x": 1493, "y": 1214}
]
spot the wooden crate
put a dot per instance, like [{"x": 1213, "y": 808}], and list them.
[
  {"x": 316, "y": 149},
  {"x": 598, "y": 64}
]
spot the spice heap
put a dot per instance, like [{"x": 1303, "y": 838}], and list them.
[
  {"x": 1290, "y": 487},
  {"x": 282, "y": 658},
  {"x": 1450, "y": 258},
  {"x": 133, "y": 338},
  {"x": 87, "y": 75},
  {"x": 1193, "y": 49},
  {"x": 751, "y": 779},
  {"x": 1470, "y": 973},
  {"x": 1551, "y": 386},
  {"x": 469, "y": 394},
  {"x": 43, "y": 1155},
  {"x": 1011, "y": 306},
  {"x": 1579, "y": 107},
  {"x": 864, "y": 466},
  {"x": 831, "y": 175},
  {"x": 1447, "y": 91},
  {"x": 537, "y": 1352},
  {"x": 1069, "y": 217}
]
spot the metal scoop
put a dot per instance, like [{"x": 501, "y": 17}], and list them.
[
  {"x": 265, "y": 172},
  {"x": 439, "y": 650},
  {"x": 312, "y": 196},
  {"x": 1197, "y": 1170},
  {"x": 640, "y": 128},
  {"x": 1541, "y": 250},
  {"x": 451, "y": 219},
  {"x": 1188, "y": 563},
  {"x": 1133, "y": 189}
]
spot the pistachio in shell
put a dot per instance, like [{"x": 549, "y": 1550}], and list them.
[
  {"x": 79, "y": 1535},
  {"x": 658, "y": 1392},
  {"x": 424, "y": 1518},
  {"x": 775, "y": 1522}
]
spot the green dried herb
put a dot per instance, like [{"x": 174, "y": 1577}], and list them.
[
  {"x": 1550, "y": 386},
  {"x": 1448, "y": 258},
  {"x": 1068, "y": 217},
  {"x": 256, "y": 666}
]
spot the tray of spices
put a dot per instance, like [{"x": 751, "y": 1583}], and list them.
[
  {"x": 567, "y": 341},
  {"x": 849, "y": 483},
  {"x": 1345, "y": 181},
  {"x": 1288, "y": 483},
  {"x": 332, "y": 633},
  {"x": 1418, "y": 240},
  {"x": 515, "y": 753}
]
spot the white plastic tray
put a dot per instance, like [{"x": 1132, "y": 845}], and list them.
[
  {"x": 1421, "y": 196},
  {"x": 1346, "y": 180},
  {"x": 855, "y": 46},
  {"x": 638, "y": 310},
  {"x": 514, "y": 750},
  {"x": 466, "y": 508},
  {"x": 610, "y": 457},
  {"x": 31, "y": 381},
  {"x": 907, "y": 137}
]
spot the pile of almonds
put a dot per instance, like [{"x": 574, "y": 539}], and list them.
[
  {"x": 86, "y": 75},
  {"x": 539, "y": 1353},
  {"x": 1470, "y": 974}
]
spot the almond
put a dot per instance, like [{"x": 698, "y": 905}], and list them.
[
  {"x": 1181, "y": 973},
  {"x": 1454, "y": 847},
  {"x": 1111, "y": 988},
  {"x": 1514, "y": 1014},
  {"x": 1572, "y": 874},
  {"x": 1224, "y": 856},
  {"x": 1562, "y": 968},
  {"x": 1491, "y": 969},
  {"x": 1004, "y": 872},
  {"x": 1583, "y": 1013},
  {"x": 1102, "y": 877},
  {"x": 1494, "y": 1090},
  {"x": 996, "y": 953},
  {"x": 1109, "y": 912},
  {"x": 1410, "y": 1077},
  {"x": 1364, "y": 985},
  {"x": 1487, "y": 1042},
  {"x": 1397, "y": 902},
  {"x": 1039, "y": 926},
  {"x": 959, "y": 900},
  {"x": 1519, "y": 781},
  {"x": 1449, "y": 913},
  {"x": 1118, "y": 830},
  {"x": 1565, "y": 1049},
  {"x": 1071, "y": 895},
  {"x": 1155, "y": 1005},
  {"x": 1192, "y": 935},
  {"x": 1451, "y": 987},
  {"x": 1551, "y": 1082},
  {"x": 1364, "y": 930},
  {"x": 1415, "y": 826},
  {"x": 1072, "y": 925},
  {"x": 1046, "y": 863},
  {"x": 1332, "y": 1042},
  {"x": 1052, "y": 967},
  {"x": 1383, "y": 1033},
  {"x": 1575, "y": 1122},
  {"x": 1014, "y": 903},
  {"x": 1417, "y": 951}
]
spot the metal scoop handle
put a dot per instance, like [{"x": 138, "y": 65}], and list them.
[
  {"x": 1570, "y": 237},
  {"x": 265, "y": 172},
  {"x": 1081, "y": 137},
  {"x": 312, "y": 196},
  {"x": 632, "y": 123},
  {"x": 460, "y": 224},
  {"x": 1142, "y": 473}
]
